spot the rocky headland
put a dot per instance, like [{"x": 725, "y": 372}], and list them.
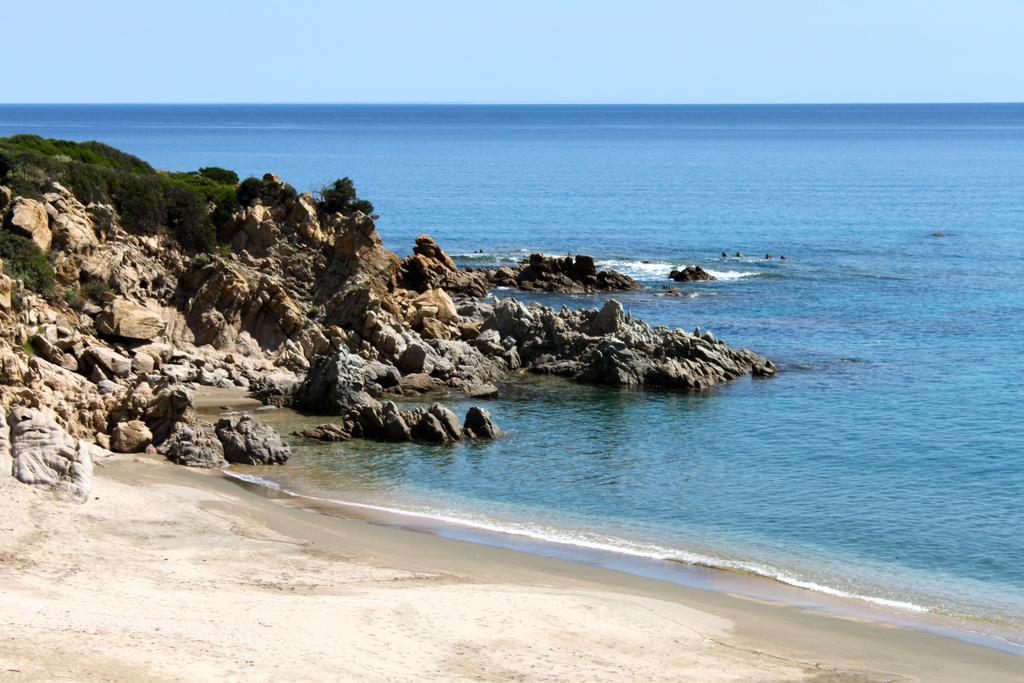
[{"x": 126, "y": 290}]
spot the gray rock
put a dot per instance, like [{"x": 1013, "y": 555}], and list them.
[
  {"x": 395, "y": 428},
  {"x": 248, "y": 442},
  {"x": 480, "y": 425},
  {"x": 336, "y": 384},
  {"x": 194, "y": 445},
  {"x": 6, "y": 461},
  {"x": 448, "y": 420},
  {"x": 415, "y": 359},
  {"x": 45, "y": 455},
  {"x": 429, "y": 428}
]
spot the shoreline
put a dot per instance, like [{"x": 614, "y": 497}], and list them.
[
  {"x": 720, "y": 579},
  {"x": 712, "y": 577},
  {"x": 170, "y": 573}
]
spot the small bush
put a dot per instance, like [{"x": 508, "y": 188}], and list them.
[
  {"x": 141, "y": 203},
  {"x": 249, "y": 190},
  {"x": 189, "y": 219},
  {"x": 73, "y": 298},
  {"x": 340, "y": 197},
  {"x": 96, "y": 291},
  {"x": 219, "y": 175},
  {"x": 24, "y": 261}
]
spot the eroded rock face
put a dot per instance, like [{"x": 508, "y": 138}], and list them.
[
  {"x": 43, "y": 454},
  {"x": 248, "y": 442},
  {"x": 29, "y": 218},
  {"x": 194, "y": 445},
  {"x": 567, "y": 274},
  {"x": 123, "y": 318}
]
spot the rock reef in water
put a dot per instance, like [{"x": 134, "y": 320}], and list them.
[
  {"x": 302, "y": 306},
  {"x": 691, "y": 274},
  {"x": 429, "y": 267}
]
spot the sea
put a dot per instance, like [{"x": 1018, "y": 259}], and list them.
[{"x": 883, "y": 467}]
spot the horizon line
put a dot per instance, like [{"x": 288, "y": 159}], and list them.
[{"x": 469, "y": 103}]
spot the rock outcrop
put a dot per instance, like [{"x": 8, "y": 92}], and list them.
[
  {"x": 563, "y": 274},
  {"x": 430, "y": 267},
  {"x": 194, "y": 445},
  {"x": 123, "y": 318},
  {"x": 28, "y": 217},
  {"x": 691, "y": 274},
  {"x": 305, "y": 308},
  {"x": 44, "y": 455},
  {"x": 248, "y": 442},
  {"x": 606, "y": 347}
]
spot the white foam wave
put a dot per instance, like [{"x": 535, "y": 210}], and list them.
[
  {"x": 640, "y": 270},
  {"x": 590, "y": 541},
  {"x": 659, "y": 270},
  {"x": 729, "y": 274}
]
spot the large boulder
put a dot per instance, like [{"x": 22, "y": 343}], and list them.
[
  {"x": 43, "y": 454},
  {"x": 29, "y": 218},
  {"x": 248, "y": 442},
  {"x": 337, "y": 383},
  {"x": 131, "y": 436},
  {"x": 6, "y": 462},
  {"x": 123, "y": 318},
  {"x": 480, "y": 425},
  {"x": 194, "y": 445}
]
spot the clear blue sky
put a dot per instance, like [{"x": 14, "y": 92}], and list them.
[{"x": 710, "y": 51}]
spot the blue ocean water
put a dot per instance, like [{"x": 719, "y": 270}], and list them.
[{"x": 886, "y": 460}]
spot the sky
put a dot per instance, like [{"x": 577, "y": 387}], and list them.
[{"x": 521, "y": 51}]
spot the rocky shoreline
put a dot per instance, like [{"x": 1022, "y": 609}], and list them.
[{"x": 300, "y": 304}]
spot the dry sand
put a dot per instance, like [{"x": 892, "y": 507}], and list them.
[{"x": 171, "y": 574}]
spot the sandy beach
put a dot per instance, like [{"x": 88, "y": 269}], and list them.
[{"x": 173, "y": 574}]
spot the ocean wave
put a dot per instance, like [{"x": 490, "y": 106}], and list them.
[
  {"x": 659, "y": 270},
  {"x": 730, "y": 274},
  {"x": 598, "y": 542}
]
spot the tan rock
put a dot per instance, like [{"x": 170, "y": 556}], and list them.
[
  {"x": 123, "y": 318},
  {"x": 442, "y": 304},
  {"x": 130, "y": 437},
  {"x": 29, "y": 218}
]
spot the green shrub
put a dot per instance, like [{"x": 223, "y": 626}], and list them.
[
  {"x": 141, "y": 202},
  {"x": 255, "y": 188},
  {"x": 25, "y": 261},
  {"x": 94, "y": 153},
  {"x": 73, "y": 298},
  {"x": 189, "y": 219},
  {"x": 96, "y": 291},
  {"x": 249, "y": 190},
  {"x": 340, "y": 197},
  {"x": 219, "y": 175}
]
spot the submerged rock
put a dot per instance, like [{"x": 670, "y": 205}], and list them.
[{"x": 327, "y": 431}]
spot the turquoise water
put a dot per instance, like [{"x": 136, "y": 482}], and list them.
[{"x": 886, "y": 460}]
